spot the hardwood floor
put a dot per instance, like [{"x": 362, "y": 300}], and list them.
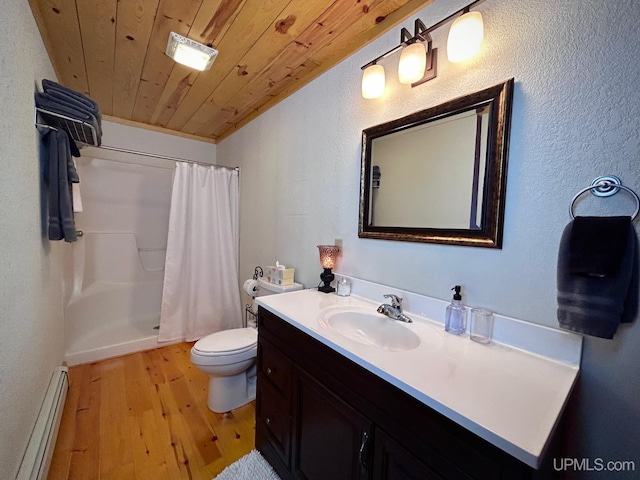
[{"x": 145, "y": 416}]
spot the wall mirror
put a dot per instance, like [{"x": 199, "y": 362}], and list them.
[{"x": 439, "y": 175}]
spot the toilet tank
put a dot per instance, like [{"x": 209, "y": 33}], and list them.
[{"x": 266, "y": 288}]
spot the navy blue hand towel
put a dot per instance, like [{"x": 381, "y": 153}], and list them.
[{"x": 595, "y": 304}]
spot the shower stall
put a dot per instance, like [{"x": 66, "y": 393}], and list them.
[{"x": 116, "y": 267}]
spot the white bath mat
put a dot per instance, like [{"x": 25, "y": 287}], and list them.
[{"x": 250, "y": 467}]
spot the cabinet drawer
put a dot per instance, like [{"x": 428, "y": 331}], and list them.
[
  {"x": 276, "y": 367},
  {"x": 274, "y": 419}
]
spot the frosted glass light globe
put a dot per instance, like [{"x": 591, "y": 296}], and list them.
[
  {"x": 413, "y": 62},
  {"x": 465, "y": 37},
  {"x": 373, "y": 81}
]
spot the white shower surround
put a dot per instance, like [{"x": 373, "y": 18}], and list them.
[
  {"x": 574, "y": 118},
  {"x": 115, "y": 292}
]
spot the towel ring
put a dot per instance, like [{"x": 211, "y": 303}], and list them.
[{"x": 605, "y": 187}]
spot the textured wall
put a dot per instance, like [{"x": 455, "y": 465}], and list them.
[
  {"x": 576, "y": 110},
  {"x": 31, "y": 329}
]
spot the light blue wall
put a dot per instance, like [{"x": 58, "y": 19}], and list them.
[
  {"x": 31, "y": 327},
  {"x": 575, "y": 117}
]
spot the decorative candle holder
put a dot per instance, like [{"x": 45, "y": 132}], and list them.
[{"x": 328, "y": 256}]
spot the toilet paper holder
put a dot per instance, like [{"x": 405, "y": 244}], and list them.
[
  {"x": 257, "y": 272},
  {"x": 248, "y": 310}
]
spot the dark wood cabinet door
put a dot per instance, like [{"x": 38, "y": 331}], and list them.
[
  {"x": 394, "y": 462},
  {"x": 332, "y": 440}
]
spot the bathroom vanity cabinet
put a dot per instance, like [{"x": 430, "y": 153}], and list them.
[{"x": 322, "y": 416}]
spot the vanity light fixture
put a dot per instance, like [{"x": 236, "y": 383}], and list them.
[
  {"x": 328, "y": 257},
  {"x": 190, "y": 53},
  {"x": 418, "y": 59}
]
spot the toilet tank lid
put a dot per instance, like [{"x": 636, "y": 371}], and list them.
[
  {"x": 272, "y": 287},
  {"x": 227, "y": 341}
]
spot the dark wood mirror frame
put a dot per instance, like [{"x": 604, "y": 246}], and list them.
[{"x": 499, "y": 98}]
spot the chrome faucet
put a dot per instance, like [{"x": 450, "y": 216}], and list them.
[{"x": 394, "y": 311}]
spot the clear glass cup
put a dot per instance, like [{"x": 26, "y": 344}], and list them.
[
  {"x": 344, "y": 287},
  {"x": 481, "y": 328}
]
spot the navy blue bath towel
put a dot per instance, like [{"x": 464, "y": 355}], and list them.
[
  {"x": 61, "y": 174},
  {"x": 597, "y": 275},
  {"x": 61, "y": 100},
  {"x": 71, "y": 96}
]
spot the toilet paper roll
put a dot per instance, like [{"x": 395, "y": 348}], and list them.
[{"x": 251, "y": 287}]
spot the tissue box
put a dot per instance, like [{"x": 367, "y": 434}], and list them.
[{"x": 280, "y": 277}]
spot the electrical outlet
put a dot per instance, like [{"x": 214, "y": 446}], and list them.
[{"x": 338, "y": 243}]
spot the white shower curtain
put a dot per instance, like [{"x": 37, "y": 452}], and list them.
[{"x": 201, "y": 292}]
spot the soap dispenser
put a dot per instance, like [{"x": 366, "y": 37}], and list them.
[{"x": 456, "y": 317}]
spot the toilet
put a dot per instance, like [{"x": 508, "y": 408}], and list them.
[{"x": 229, "y": 358}]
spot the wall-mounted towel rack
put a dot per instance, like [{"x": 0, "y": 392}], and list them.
[
  {"x": 80, "y": 131},
  {"x": 85, "y": 134},
  {"x": 605, "y": 186}
]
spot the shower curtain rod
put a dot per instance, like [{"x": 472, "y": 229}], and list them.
[{"x": 163, "y": 157}]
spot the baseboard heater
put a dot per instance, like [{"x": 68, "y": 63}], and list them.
[{"x": 37, "y": 457}]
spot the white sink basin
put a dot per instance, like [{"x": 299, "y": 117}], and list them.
[{"x": 364, "y": 325}]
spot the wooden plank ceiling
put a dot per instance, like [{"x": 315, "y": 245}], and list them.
[{"x": 113, "y": 50}]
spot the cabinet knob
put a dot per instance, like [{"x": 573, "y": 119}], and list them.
[
  {"x": 269, "y": 370},
  {"x": 268, "y": 421}
]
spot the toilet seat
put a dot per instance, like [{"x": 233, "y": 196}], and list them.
[{"x": 227, "y": 342}]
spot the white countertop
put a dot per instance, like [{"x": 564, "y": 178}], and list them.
[{"x": 508, "y": 396}]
